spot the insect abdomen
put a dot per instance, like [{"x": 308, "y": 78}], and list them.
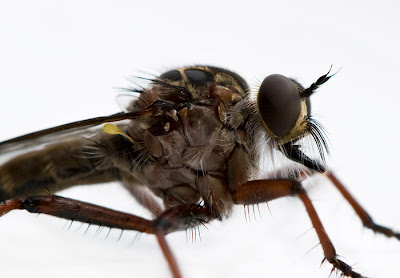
[{"x": 53, "y": 168}]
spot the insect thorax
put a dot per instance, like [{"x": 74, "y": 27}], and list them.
[{"x": 194, "y": 144}]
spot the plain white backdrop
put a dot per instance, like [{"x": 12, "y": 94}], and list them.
[{"x": 59, "y": 62}]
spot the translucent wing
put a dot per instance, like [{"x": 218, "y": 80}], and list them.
[{"x": 83, "y": 127}]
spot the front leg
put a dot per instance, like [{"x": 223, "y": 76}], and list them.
[
  {"x": 258, "y": 191},
  {"x": 366, "y": 219}
]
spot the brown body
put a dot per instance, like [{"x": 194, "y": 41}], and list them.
[
  {"x": 194, "y": 139},
  {"x": 191, "y": 151}
]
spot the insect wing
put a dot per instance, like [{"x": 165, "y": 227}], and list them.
[{"x": 79, "y": 128}]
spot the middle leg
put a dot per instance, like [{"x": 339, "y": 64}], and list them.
[{"x": 258, "y": 191}]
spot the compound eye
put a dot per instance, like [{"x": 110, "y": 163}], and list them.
[{"x": 279, "y": 104}]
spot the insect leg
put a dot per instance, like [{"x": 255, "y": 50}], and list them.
[
  {"x": 178, "y": 218},
  {"x": 175, "y": 219},
  {"x": 364, "y": 216},
  {"x": 79, "y": 211},
  {"x": 257, "y": 191},
  {"x": 169, "y": 256},
  {"x": 143, "y": 196}
]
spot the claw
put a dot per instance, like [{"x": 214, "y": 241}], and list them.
[{"x": 345, "y": 269}]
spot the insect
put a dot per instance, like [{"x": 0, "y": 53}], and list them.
[{"x": 193, "y": 139}]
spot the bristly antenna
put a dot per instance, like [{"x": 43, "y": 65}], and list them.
[{"x": 310, "y": 90}]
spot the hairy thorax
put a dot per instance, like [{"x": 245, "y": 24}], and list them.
[{"x": 189, "y": 151}]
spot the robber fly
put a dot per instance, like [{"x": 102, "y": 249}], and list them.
[{"x": 194, "y": 139}]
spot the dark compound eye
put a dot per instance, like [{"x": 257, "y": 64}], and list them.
[
  {"x": 279, "y": 104},
  {"x": 199, "y": 77},
  {"x": 172, "y": 75}
]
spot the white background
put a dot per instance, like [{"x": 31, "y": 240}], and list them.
[{"x": 59, "y": 61}]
